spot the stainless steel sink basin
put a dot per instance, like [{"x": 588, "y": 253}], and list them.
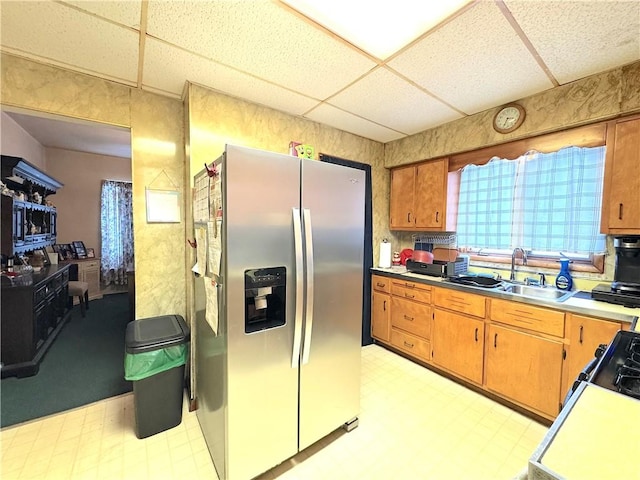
[{"x": 543, "y": 293}]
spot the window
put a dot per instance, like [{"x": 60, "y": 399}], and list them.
[{"x": 546, "y": 203}]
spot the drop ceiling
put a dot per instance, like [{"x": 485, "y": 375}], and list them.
[{"x": 295, "y": 58}]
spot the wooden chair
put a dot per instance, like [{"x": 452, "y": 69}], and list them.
[{"x": 80, "y": 290}]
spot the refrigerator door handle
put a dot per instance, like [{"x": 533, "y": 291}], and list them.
[
  {"x": 297, "y": 331},
  {"x": 308, "y": 314}
]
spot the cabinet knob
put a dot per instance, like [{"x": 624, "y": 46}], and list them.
[{"x": 620, "y": 212}]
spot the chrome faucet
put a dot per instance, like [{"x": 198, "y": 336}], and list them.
[{"x": 512, "y": 277}]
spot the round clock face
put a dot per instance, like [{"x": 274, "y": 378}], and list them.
[{"x": 508, "y": 119}]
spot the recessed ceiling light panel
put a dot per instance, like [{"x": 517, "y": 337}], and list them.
[{"x": 379, "y": 27}]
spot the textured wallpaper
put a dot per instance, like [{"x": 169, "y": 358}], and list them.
[
  {"x": 589, "y": 100},
  {"x": 216, "y": 119},
  {"x": 157, "y": 138}
]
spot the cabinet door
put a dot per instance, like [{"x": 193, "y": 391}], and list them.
[
  {"x": 19, "y": 224},
  {"x": 402, "y": 197},
  {"x": 430, "y": 197},
  {"x": 585, "y": 334},
  {"x": 380, "y": 316},
  {"x": 524, "y": 368},
  {"x": 458, "y": 344},
  {"x": 624, "y": 186}
]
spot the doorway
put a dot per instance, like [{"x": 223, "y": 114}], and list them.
[{"x": 85, "y": 362}]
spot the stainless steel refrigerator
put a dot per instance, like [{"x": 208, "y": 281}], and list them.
[{"x": 283, "y": 369}]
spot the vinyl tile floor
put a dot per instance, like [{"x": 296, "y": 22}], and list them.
[{"x": 414, "y": 424}]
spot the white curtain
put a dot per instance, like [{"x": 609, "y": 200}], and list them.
[
  {"x": 541, "y": 201},
  {"x": 116, "y": 222}
]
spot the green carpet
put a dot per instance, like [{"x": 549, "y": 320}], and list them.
[{"x": 85, "y": 364}]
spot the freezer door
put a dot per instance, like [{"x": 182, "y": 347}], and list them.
[
  {"x": 261, "y": 189},
  {"x": 333, "y": 206}
]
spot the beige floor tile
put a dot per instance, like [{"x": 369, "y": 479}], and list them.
[{"x": 414, "y": 425}]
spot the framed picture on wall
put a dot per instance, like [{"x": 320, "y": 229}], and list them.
[{"x": 81, "y": 251}]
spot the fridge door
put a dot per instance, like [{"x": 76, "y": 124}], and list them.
[
  {"x": 333, "y": 205},
  {"x": 260, "y": 189}
]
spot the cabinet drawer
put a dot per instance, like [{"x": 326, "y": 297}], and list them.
[
  {"x": 520, "y": 315},
  {"x": 459, "y": 301},
  {"x": 42, "y": 293},
  {"x": 90, "y": 265},
  {"x": 381, "y": 284},
  {"x": 411, "y": 316},
  {"x": 411, "y": 291},
  {"x": 410, "y": 344}
]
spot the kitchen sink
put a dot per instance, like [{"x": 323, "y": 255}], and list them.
[{"x": 543, "y": 293}]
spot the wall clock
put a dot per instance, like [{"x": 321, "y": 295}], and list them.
[{"x": 508, "y": 118}]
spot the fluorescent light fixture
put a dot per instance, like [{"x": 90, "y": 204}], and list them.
[{"x": 379, "y": 27}]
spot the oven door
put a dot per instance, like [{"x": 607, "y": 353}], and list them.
[{"x": 586, "y": 373}]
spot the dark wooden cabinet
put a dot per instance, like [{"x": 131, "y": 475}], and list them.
[
  {"x": 32, "y": 317},
  {"x": 28, "y": 221},
  {"x": 26, "y": 226}
]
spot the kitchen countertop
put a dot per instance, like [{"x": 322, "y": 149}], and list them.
[
  {"x": 582, "y": 306},
  {"x": 590, "y": 438}
]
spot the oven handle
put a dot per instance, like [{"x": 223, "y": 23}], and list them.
[{"x": 586, "y": 371}]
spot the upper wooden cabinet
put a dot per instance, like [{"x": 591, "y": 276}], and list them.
[
  {"x": 621, "y": 195},
  {"x": 419, "y": 196}
]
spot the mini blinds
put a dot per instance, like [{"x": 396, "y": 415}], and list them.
[{"x": 540, "y": 201}]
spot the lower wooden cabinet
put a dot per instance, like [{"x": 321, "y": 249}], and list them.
[
  {"x": 380, "y": 316},
  {"x": 525, "y": 368},
  {"x": 457, "y": 344},
  {"x": 411, "y": 318},
  {"x": 381, "y": 308},
  {"x": 413, "y": 345},
  {"x": 584, "y": 335},
  {"x": 31, "y": 318},
  {"x": 528, "y": 355}
]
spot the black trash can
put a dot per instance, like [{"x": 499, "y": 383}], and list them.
[{"x": 156, "y": 354}]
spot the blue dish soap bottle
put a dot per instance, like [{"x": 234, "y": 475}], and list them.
[{"x": 564, "y": 280}]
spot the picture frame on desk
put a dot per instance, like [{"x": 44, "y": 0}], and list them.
[
  {"x": 65, "y": 252},
  {"x": 79, "y": 249},
  {"x": 91, "y": 253},
  {"x": 42, "y": 252}
]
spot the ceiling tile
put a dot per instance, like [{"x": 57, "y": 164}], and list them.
[
  {"x": 330, "y": 115},
  {"x": 166, "y": 68},
  {"x": 474, "y": 62},
  {"x": 387, "y": 99},
  {"x": 90, "y": 45},
  {"x": 261, "y": 38},
  {"x": 124, "y": 12},
  {"x": 577, "y": 39}
]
